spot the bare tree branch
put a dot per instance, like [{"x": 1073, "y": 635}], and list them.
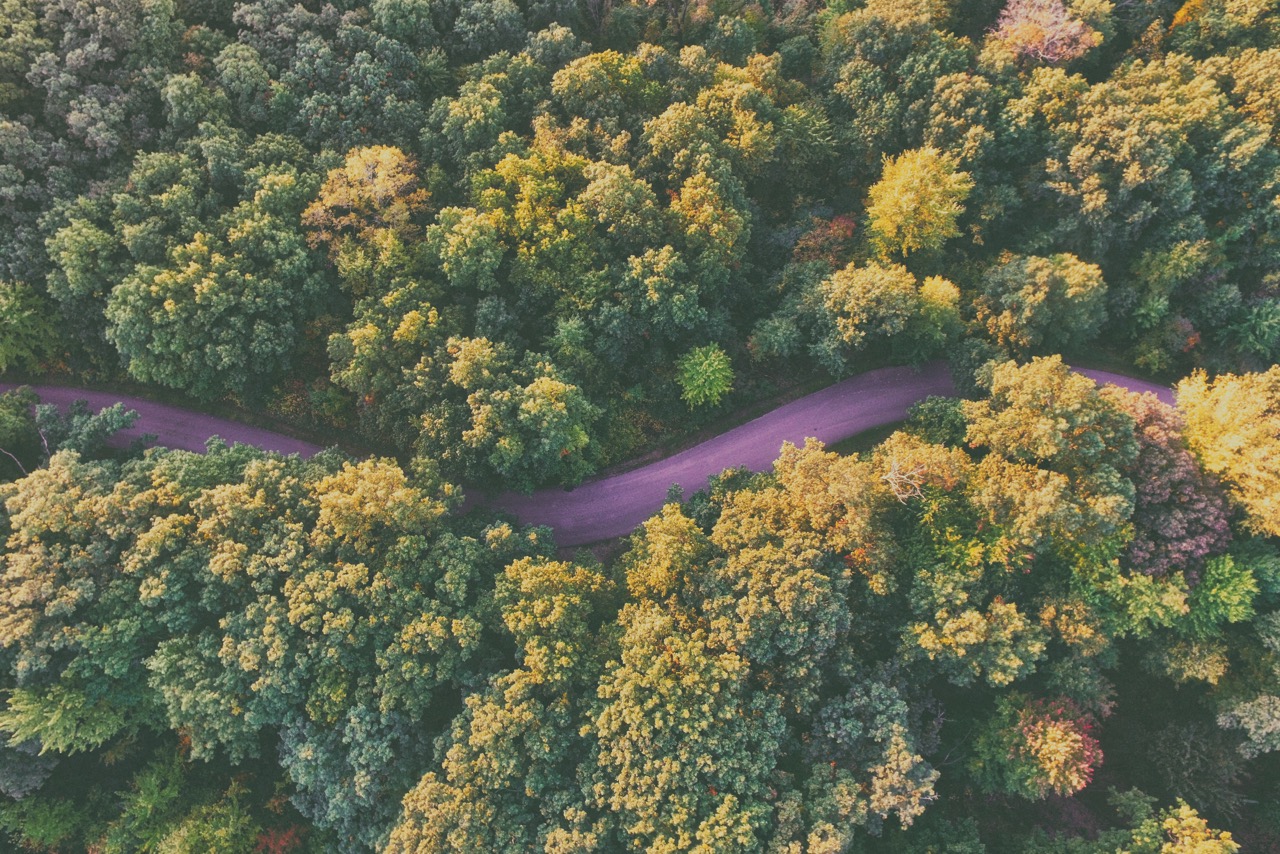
[{"x": 20, "y": 466}]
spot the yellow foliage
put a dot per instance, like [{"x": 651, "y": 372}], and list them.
[{"x": 1233, "y": 427}]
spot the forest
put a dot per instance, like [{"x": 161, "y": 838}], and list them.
[{"x": 487, "y": 245}]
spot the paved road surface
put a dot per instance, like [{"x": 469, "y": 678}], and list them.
[
  {"x": 613, "y": 506},
  {"x": 1141, "y": 386},
  {"x": 601, "y": 509},
  {"x": 173, "y": 427}
]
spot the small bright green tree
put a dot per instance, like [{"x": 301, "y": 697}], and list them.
[{"x": 705, "y": 375}]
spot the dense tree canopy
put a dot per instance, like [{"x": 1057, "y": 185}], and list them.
[
  {"x": 507, "y": 243},
  {"x": 808, "y": 657},
  {"x": 605, "y": 188}
]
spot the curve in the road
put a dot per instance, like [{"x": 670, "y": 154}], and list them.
[{"x": 614, "y": 506}]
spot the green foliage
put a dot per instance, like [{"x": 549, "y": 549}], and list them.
[
  {"x": 1063, "y": 446},
  {"x": 938, "y": 420},
  {"x": 1257, "y": 713},
  {"x": 873, "y": 301},
  {"x": 20, "y": 42},
  {"x": 223, "y": 827},
  {"x": 228, "y": 307},
  {"x": 508, "y": 235},
  {"x": 883, "y": 62},
  {"x": 685, "y": 744},
  {"x": 19, "y": 437},
  {"x": 705, "y": 375},
  {"x": 1223, "y": 595},
  {"x": 1034, "y": 748},
  {"x": 23, "y": 770},
  {"x": 27, "y": 330},
  {"x": 1172, "y": 830},
  {"x": 46, "y": 824},
  {"x": 525, "y": 423},
  {"x": 30, "y": 432},
  {"x": 80, "y": 430},
  {"x": 508, "y": 772},
  {"x": 62, "y": 719},
  {"x": 1042, "y": 305},
  {"x": 59, "y": 566},
  {"x": 173, "y": 806},
  {"x": 879, "y": 303}
]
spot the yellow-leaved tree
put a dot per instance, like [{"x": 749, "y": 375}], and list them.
[
  {"x": 1233, "y": 427},
  {"x": 917, "y": 201}
]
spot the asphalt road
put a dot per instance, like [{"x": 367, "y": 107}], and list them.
[
  {"x": 613, "y": 506},
  {"x": 173, "y": 427},
  {"x": 601, "y": 509}
]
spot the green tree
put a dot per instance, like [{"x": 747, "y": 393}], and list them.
[
  {"x": 781, "y": 605},
  {"x": 27, "y": 329},
  {"x": 100, "y": 80},
  {"x": 685, "y": 743},
  {"x": 1154, "y": 153},
  {"x": 24, "y": 181},
  {"x": 1257, "y": 714},
  {"x": 162, "y": 205},
  {"x": 87, "y": 433},
  {"x": 20, "y": 446},
  {"x": 336, "y": 82},
  {"x": 72, "y": 631},
  {"x": 868, "y": 742},
  {"x": 715, "y": 229},
  {"x": 63, "y": 720},
  {"x": 510, "y": 774},
  {"x": 20, "y": 42},
  {"x": 604, "y": 85},
  {"x": 87, "y": 261},
  {"x": 1034, "y": 748},
  {"x": 526, "y": 424},
  {"x": 227, "y": 308},
  {"x": 705, "y": 375},
  {"x": 1032, "y": 305},
  {"x": 871, "y": 301},
  {"x": 883, "y": 62},
  {"x": 1059, "y": 448},
  {"x": 869, "y": 304},
  {"x": 1177, "y": 829},
  {"x": 388, "y": 358}
]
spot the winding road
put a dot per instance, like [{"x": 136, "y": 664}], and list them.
[{"x": 613, "y": 506}]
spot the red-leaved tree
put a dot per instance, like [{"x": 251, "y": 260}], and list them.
[{"x": 1179, "y": 515}]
